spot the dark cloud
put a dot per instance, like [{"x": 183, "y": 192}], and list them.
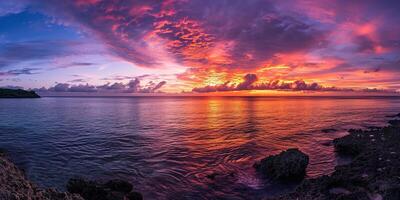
[
  {"x": 133, "y": 86},
  {"x": 78, "y": 80},
  {"x": 113, "y": 87},
  {"x": 249, "y": 79},
  {"x": 17, "y": 72},
  {"x": 13, "y": 53},
  {"x": 152, "y": 87},
  {"x": 118, "y": 78},
  {"x": 76, "y": 64}
]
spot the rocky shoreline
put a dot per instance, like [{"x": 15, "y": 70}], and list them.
[
  {"x": 373, "y": 174},
  {"x": 15, "y": 186}
]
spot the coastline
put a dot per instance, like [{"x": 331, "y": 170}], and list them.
[
  {"x": 15, "y": 186},
  {"x": 373, "y": 173}
]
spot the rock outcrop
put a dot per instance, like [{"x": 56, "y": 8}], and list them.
[
  {"x": 374, "y": 172},
  {"x": 288, "y": 165},
  {"x": 110, "y": 190},
  {"x": 15, "y": 186}
]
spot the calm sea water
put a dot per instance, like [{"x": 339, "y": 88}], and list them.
[{"x": 167, "y": 146}]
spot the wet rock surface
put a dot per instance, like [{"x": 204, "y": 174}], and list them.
[
  {"x": 374, "y": 172},
  {"x": 15, "y": 186},
  {"x": 288, "y": 165},
  {"x": 110, "y": 190}
]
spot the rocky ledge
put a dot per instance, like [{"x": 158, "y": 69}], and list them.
[
  {"x": 110, "y": 190},
  {"x": 15, "y": 186},
  {"x": 373, "y": 174},
  {"x": 11, "y": 93},
  {"x": 288, "y": 165}
]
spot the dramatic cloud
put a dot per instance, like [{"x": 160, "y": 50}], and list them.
[
  {"x": 349, "y": 44},
  {"x": 249, "y": 83},
  {"x": 194, "y": 33}
]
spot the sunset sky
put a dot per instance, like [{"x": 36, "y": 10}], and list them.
[{"x": 200, "y": 46}]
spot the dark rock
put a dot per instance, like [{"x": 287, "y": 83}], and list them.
[
  {"x": 89, "y": 190},
  {"x": 359, "y": 195},
  {"x": 2, "y": 152},
  {"x": 348, "y": 145},
  {"x": 14, "y": 185},
  {"x": 288, "y": 165},
  {"x": 392, "y": 194},
  {"x": 111, "y": 190},
  {"x": 373, "y": 127},
  {"x": 395, "y": 122},
  {"x": 119, "y": 185},
  {"x": 11, "y": 93},
  {"x": 114, "y": 195},
  {"x": 134, "y": 196},
  {"x": 373, "y": 172}
]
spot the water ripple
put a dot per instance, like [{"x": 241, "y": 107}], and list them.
[{"x": 178, "y": 148}]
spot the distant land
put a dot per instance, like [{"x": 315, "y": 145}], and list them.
[{"x": 19, "y": 93}]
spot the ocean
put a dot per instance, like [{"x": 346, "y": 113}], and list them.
[{"x": 166, "y": 146}]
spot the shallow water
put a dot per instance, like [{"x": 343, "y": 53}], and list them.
[{"x": 166, "y": 146}]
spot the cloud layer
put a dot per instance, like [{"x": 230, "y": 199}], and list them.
[
  {"x": 133, "y": 87},
  {"x": 250, "y": 83}
]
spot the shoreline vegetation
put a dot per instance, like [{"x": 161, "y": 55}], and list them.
[
  {"x": 18, "y": 93},
  {"x": 373, "y": 173}
]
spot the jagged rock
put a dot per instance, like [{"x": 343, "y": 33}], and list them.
[
  {"x": 372, "y": 174},
  {"x": 111, "y": 190},
  {"x": 348, "y": 145},
  {"x": 288, "y": 165},
  {"x": 119, "y": 185},
  {"x": 134, "y": 196},
  {"x": 15, "y": 186},
  {"x": 395, "y": 122},
  {"x": 89, "y": 190}
]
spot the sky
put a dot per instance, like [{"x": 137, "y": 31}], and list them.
[{"x": 208, "y": 47}]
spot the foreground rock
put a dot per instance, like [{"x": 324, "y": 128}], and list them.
[
  {"x": 374, "y": 172},
  {"x": 10, "y": 93},
  {"x": 111, "y": 190},
  {"x": 288, "y": 165},
  {"x": 15, "y": 186}
]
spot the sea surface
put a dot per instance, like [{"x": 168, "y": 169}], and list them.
[{"x": 166, "y": 146}]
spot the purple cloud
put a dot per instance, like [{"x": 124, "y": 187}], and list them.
[{"x": 133, "y": 86}]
